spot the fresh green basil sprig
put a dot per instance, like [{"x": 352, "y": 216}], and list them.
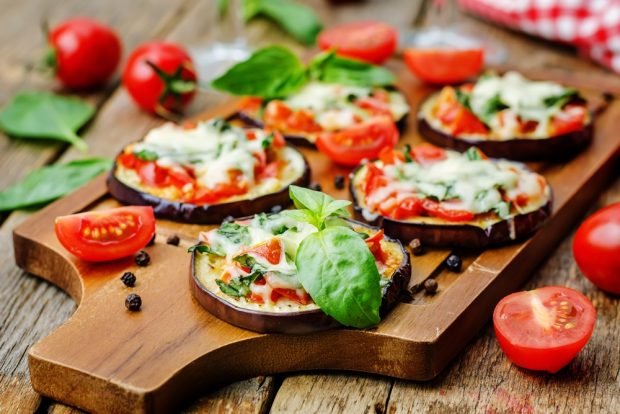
[
  {"x": 276, "y": 72},
  {"x": 297, "y": 19},
  {"x": 49, "y": 183},
  {"x": 334, "y": 265}
]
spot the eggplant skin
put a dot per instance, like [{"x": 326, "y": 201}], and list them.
[
  {"x": 203, "y": 214},
  {"x": 303, "y": 322},
  {"x": 301, "y": 140},
  {"x": 458, "y": 235},
  {"x": 557, "y": 147}
]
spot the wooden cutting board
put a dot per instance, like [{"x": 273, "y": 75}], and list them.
[{"x": 106, "y": 359}]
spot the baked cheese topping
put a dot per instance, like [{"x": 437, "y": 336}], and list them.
[
  {"x": 211, "y": 157},
  {"x": 507, "y": 107},
  {"x": 335, "y": 106},
  {"x": 489, "y": 190},
  {"x": 252, "y": 263}
]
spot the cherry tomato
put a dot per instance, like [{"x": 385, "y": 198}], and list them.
[
  {"x": 596, "y": 248},
  {"x": 280, "y": 116},
  {"x": 361, "y": 141},
  {"x": 544, "y": 329},
  {"x": 103, "y": 235},
  {"x": 370, "y": 41},
  {"x": 459, "y": 119},
  {"x": 83, "y": 52},
  {"x": 160, "y": 77},
  {"x": 443, "y": 66},
  {"x": 270, "y": 250}
]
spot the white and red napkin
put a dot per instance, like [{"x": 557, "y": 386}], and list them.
[{"x": 591, "y": 25}]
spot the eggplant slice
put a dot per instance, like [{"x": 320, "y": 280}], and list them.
[
  {"x": 436, "y": 232},
  {"x": 302, "y": 319},
  {"x": 254, "y": 118},
  {"x": 124, "y": 189},
  {"x": 563, "y": 146}
]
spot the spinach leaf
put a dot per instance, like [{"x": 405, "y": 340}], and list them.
[
  {"x": 338, "y": 271},
  {"x": 235, "y": 233},
  {"x": 297, "y": 19},
  {"x": 46, "y": 116},
  {"x": 49, "y": 183},
  {"x": 330, "y": 68},
  {"x": 317, "y": 206},
  {"x": 271, "y": 72},
  {"x": 204, "y": 249}
]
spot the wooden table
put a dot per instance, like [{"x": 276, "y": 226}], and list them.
[{"x": 480, "y": 379}]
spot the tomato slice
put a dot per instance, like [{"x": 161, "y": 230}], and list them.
[
  {"x": 374, "y": 178},
  {"x": 103, "y": 235},
  {"x": 270, "y": 250},
  {"x": 435, "y": 209},
  {"x": 442, "y": 66},
  {"x": 409, "y": 207},
  {"x": 391, "y": 156},
  {"x": 427, "y": 153},
  {"x": 279, "y": 116},
  {"x": 544, "y": 329},
  {"x": 370, "y": 41},
  {"x": 362, "y": 141},
  {"x": 290, "y": 294},
  {"x": 374, "y": 245}
]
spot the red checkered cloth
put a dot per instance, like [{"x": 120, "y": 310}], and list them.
[{"x": 591, "y": 25}]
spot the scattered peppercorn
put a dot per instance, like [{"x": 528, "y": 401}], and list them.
[
  {"x": 142, "y": 258},
  {"x": 129, "y": 279},
  {"x": 173, "y": 239},
  {"x": 276, "y": 209},
  {"x": 228, "y": 219},
  {"x": 152, "y": 241},
  {"x": 339, "y": 181},
  {"x": 133, "y": 302},
  {"x": 430, "y": 286},
  {"x": 416, "y": 247},
  {"x": 316, "y": 187},
  {"x": 454, "y": 263}
]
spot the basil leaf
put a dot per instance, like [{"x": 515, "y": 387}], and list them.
[
  {"x": 561, "y": 99},
  {"x": 491, "y": 107},
  {"x": 473, "y": 154},
  {"x": 272, "y": 72},
  {"x": 49, "y": 183},
  {"x": 338, "y": 271},
  {"x": 235, "y": 233},
  {"x": 204, "y": 249},
  {"x": 320, "y": 205},
  {"x": 297, "y": 19},
  {"x": 146, "y": 155},
  {"x": 330, "y": 68},
  {"x": 229, "y": 289},
  {"x": 463, "y": 98},
  {"x": 46, "y": 116}
]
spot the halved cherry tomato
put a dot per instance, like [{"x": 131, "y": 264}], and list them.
[
  {"x": 270, "y": 250},
  {"x": 569, "y": 120},
  {"x": 544, "y": 329},
  {"x": 435, "y": 209},
  {"x": 279, "y": 116},
  {"x": 596, "y": 248},
  {"x": 409, "y": 207},
  {"x": 103, "y": 235},
  {"x": 152, "y": 174},
  {"x": 179, "y": 177},
  {"x": 370, "y": 41},
  {"x": 290, "y": 294},
  {"x": 220, "y": 191},
  {"x": 374, "y": 106},
  {"x": 362, "y": 141},
  {"x": 444, "y": 66},
  {"x": 374, "y": 178},
  {"x": 459, "y": 119}
]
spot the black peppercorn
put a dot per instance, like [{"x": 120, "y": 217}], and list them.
[
  {"x": 316, "y": 187},
  {"x": 133, "y": 302},
  {"x": 339, "y": 181},
  {"x": 430, "y": 286},
  {"x": 454, "y": 263},
  {"x": 142, "y": 258},
  {"x": 416, "y": 247},
  {"x": 129, "y": 279},
  {"x": 173, "y": 239},
  {"x": 276, "y": 209}
]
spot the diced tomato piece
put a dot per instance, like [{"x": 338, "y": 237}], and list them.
[
  {"x": 179, "y": 177},
  {"x": 528, "y": 126},
  {"x": 250, "y": 103},
  {"x": 260, "y": 281},
  {"x": 427, "y": 153},
  {"x": 374, "y": 245},
  {"x": 374, "y": 178},
  {"x": 455, "y": 116},
  {"x": 409, "y": 207},
  {"x": 381, "y": 95},
  {"x": 374, "y": 106},
  {"x": 271, "y": 170},
  {"x": 570, "y": 119},
  {"x": 222, "y": 190},
  {"x": 280, "y": 116},
  {"x": 250, "y": 134},
  {"x": 522, "y": 199},
  {"x": 127, "y": 160},
  {"x": 467, "y": 123},
  {"x": 435, "y": 209},
  {"x": 256, "y": 298},
  {"x": 278, "y": 140},
  {"x": 189, "y": 125},
  {"x": 226, "y": 277},
  {"x": 391, "y": 156},
  {"x": 290, "y": 294},
  {"x": 303, "y": 120},
  {"x": 152, "y": 174},
  {"x": 270, "y": 250}
]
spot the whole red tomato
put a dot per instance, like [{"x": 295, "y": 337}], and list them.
[
  {"x": 83, "y": 52},
  {"x": 596, "y": 248},
  {"x": 160, "y": 77}
]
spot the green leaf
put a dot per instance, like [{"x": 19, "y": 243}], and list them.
[
  {"x": 222, "y": 7},
  {"x": 146, "y": 155},
  {"x": 473, "y": 154},
  {"x": 490, "y": 108},
  {"x": 229, "y": 289},
  {"x": 49, "y": 183},
  {"x": 463, "y": 98},
  {"x": 44, "y": 115},
  {"x": 561, "y": 99},
  {"x": 338, "y": 271},
  {"x": 235, "y": 233},
  {"x": 204, "y": 249},
  {"x": 319, "y": 205},
  {"x": 330, "y": 68},
  {"x": 297, "y": 19},
  {"x": 271, "y": 72}
]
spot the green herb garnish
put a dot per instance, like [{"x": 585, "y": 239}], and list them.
[{"x": 146, "y": 155}]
